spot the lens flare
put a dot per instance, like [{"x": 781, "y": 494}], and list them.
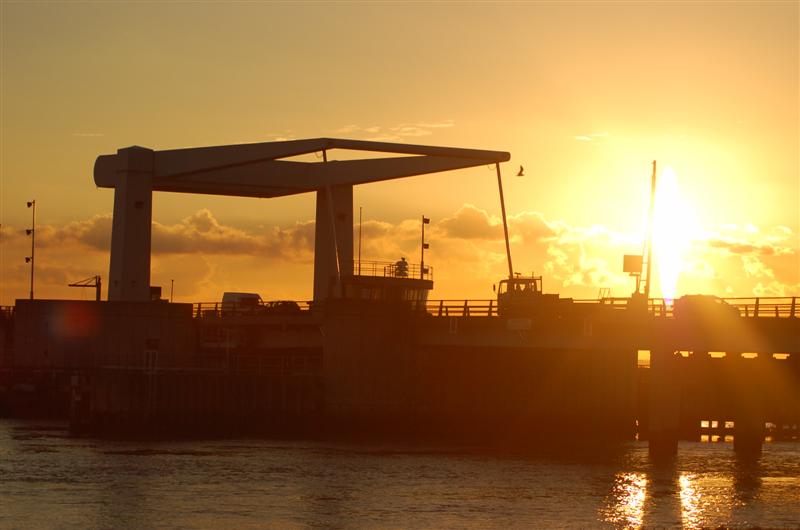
[{"x": 674, "y": 225}]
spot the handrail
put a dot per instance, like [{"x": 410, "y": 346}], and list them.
[
  {"x": 236, "y": 309},
  {"x": 774, "y": 307},
  {"x": 392, "y": 269},
  {"x": 762, "y": 306}
]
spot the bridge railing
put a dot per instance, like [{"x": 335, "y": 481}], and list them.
[
  {"x": 390, "y": 269},
  {"x": 772, "y": 306},
  {"x": 777, "y": 307},
  {"x": 459, "y": 308},
  {"x": 232, "y": 309},
  {"x": 462, "y": 307}
]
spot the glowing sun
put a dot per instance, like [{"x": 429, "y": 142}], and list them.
[{"x": 674, "y": 226}]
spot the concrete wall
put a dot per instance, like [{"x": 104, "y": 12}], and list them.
[
  {"x": 65, "y": 334},
  {"x": 378, "y": 370}
]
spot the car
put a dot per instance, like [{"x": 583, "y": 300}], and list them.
[
  {"x": 283, "y": 307},
  {"x": 237, "y": 303},
  {"x": 703, "y": 307}
]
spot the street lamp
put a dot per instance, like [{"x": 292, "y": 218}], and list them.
[
  {"x": 423, "y": 246},
  {"x": 32, "y": 232}
]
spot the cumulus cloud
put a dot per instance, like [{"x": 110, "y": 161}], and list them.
[
  {"x": 532, "y": 227},
  {"x": 470, "y": 222},
  {"x": 202, "y": 233},
  {"x": 199, "y": 233},
  {"x": 767, "y": 247},
  {"x": 776, "y": 288},
  {"x": 572, "y": 256},
  {"x": 467, "y": 252}
]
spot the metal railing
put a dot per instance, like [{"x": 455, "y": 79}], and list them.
[
  {"x": 457, "y": 308},
  {"x": 786, "y": 306},
  {"x": 237, "y": 309},
  {"x": 763, "y": 306},
  {"x": 392, "y": 269},
  {"x": 776, "y": 307}
]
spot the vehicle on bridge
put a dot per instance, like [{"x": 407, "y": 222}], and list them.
[
  {"x": 522, "y": 295},
  {"x": 235, "y": 303},
  {"x": 703, "y": 307}
]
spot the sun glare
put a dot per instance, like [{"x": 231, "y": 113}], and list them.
[{"x": 674, "y": 226}]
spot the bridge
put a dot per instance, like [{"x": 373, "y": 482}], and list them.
[
  {"x": 740, "y": 373},
  {"x": 266, "y": 170},
  {"x": 370, "y": 352}
]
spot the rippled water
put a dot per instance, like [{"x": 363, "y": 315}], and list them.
[{"x": 50, "y": 480}]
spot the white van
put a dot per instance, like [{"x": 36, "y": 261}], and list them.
[{"x": 233, "y": 303}]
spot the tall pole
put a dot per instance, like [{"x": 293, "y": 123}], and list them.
[
  {"x": 359, "y": 240},
  {"x": 505, "y": 223},
  {"x": 171, "y": 289},
  {"x": 32, "y": 205},
  {"x": 650, "y": 232},
  {"x": 422, "y": 251}
]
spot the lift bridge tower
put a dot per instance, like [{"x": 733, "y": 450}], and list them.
[{"x": 259, "y": 170}]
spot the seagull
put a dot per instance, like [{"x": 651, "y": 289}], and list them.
[{"x": 521, "y": 172}]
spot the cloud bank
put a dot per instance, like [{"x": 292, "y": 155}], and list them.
[{"x": 467, "y": 253}]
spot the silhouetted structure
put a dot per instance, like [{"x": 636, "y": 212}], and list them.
[
  {"x": 258, "y": 170},
  {"x": 378, "y": 356}
]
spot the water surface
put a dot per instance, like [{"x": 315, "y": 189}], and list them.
[{"x": 49, "y": 480}]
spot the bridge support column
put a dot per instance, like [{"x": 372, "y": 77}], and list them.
[
  {"x": 129, "y": 274},
  {"x": 748, "y": 433},
  {"x": 333, "y": 233},
  {"x": 748, "y": 388},
  {"x": 664, "y": 404}
]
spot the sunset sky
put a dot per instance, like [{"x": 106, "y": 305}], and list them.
[{"x": 584, "y": 96}]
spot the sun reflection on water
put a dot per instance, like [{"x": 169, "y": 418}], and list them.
[
  {"x": 690, "y": 501},
  {"x": 626, "y": 508}
]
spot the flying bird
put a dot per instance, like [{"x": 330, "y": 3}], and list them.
[{"x": 521, "y": 172}]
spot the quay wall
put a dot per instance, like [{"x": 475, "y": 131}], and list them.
[
  {"x": 401, "y": 372},
  {"x": 380, "y": 368}
]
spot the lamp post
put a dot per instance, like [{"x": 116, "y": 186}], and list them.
[
  {"x": 32, "y": 232},
  {"x": 423, "y": 247}
]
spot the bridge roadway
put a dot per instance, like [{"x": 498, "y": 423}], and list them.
[
  {"x": 764, "y": 325},
  {"x": 618, "y": 330}
]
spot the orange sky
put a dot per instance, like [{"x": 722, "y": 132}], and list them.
[{"x": 584, "y": 96}]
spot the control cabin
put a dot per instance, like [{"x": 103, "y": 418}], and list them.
[{"x": 388, "y": 281}]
